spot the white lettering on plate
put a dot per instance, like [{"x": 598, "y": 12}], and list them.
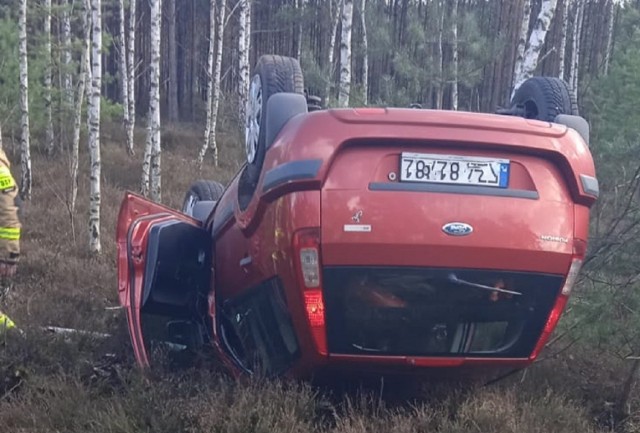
[
  {"x": 554, "y": 239},
  {"x": 361, "y": 228}
]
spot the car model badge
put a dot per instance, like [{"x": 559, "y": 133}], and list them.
[
  {"x": 357, "y": 216},
  {"x": 457, "y": 229}
]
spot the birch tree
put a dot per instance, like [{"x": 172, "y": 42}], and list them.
[
  {"x": 440, "y": 57},
  {"x": 131, "y": 76},
  {"x": 151, "y": 166},
  {"x": 575, "y": 48},
  {"x": 25, "y": 148},
  {"x": 522, "y": 39},
  {"x": 122, "y": 69},
  {"x": 85, "y": 73},
  {"x": 49, "y": 145},
  {"x": 210, "y": 70},
  {"x": 67, "y": 82},
  {"x": 607, "y": 53},
  {"x": 243, "y": 60},
  {"x": 563, "y": 37},
  {"x": 248, "y": 36},
  {"x": 299, "y": 7},
  {"x": 345, "y": 54},
  {"x": 94, "y": 127},
  {"x": 212, "y": 118},
  {"x": 332, "y": 45},
  {"x": 535, "y": 43},
  {"x": 454, "y": 49},
  {"x": 365, "y": 49}
]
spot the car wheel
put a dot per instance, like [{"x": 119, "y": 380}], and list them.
[
  {"x": 273, "y": 74},
  {"x": 543, "y": 98},
  {"x": 199, "y": 191}
]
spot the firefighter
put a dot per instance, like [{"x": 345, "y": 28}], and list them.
[{"x": 9, "y": 232}]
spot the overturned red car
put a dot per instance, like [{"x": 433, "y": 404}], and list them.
[{"x": 384, "y": 240}]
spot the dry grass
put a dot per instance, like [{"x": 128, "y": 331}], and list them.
[{"x": 50, "y": 384}]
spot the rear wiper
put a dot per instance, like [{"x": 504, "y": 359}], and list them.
[{"x": 454, "y": 279}]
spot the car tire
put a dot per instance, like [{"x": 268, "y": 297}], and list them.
[
  {"x": 544, "y": 98},
  {"x": 201, "y": 191},
  {"x": 272, "y": 74}
]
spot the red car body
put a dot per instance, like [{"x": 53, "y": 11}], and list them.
[{"x": 336, "y": 264}]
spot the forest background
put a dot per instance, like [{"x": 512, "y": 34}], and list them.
[{"x": 97, "y": 97}]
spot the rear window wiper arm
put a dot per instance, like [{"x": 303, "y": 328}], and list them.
[{"x": 454, "y": 279}]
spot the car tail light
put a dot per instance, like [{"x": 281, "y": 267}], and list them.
[
  {"x": 572, "y": 276},
  {"x": 579, "y": 250},
  {"x": 315, "y": 307},
  {"x": 306, "y": 243}
]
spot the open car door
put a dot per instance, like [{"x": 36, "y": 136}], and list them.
[{"x": 164, "y": 277}]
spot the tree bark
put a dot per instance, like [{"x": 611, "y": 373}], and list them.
[
  {"x": 94, "y": 128},
  {"x": 563, "y": 41},
  {"x": 332, "y": 47},
  {"x": 210, "y": 71},
  {"x": 522, "y": 39},
  {"x": 454, "y": 60},
  {"x": 85, "y": 72},
  {"x": 215, "y": 102},
  {"x": 67, "y": 80},
  {"x": 153, "y": 129},
  {"x": 49, "y": 145},
  {"x": 608, "y": 49},
  {"x": 172, "y": 62},
  {"x": 122, "y": 69},
  {"x": 248, "y": 43},
  {"x": 535, "y": 44},
  {"x": 365, "y": 48},
  {"x": 131, "y": 76},
  {"x": 25, "y": 148},
  {"x": 345, "y": 54},
  {"x": 243, "y": 60},
  {"x": 575, "y": 49},
  {"x": 440, "y": 57}
]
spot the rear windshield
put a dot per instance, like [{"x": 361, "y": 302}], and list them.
[{"x": 436, "y": 312}]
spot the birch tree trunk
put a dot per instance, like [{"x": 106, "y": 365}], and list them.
[
  {"x": 575, "y": 49},
  {"x": 94, "y": 127},
  {"x": 365, "y": 48},
  {"x": 522, "y": 39},
  {"x": 243, "y": 60},
  {"x": 440, "y": 57},
  {"x": 454, "y": 60},
  {"x": 215, "y": 100},
  {"x": 25, "y": 148},
  {"x": 345, "y": 54},
  {"x": 153, "y": 129},
  {"x": 122, "y": 68},
  {"x": 173, "y": 111},
  {"x": 49, "y": 146},
  {"x": 131, "y": 76},
  {"x": 85, "y": 72},
  {"x": 248, "y": 38},
  {"x": 535, "y": 44},
  {"x": 607, "y": 53},
  {"x": 332, "y": 47},
  {"x": 67, "y": 81},
  {"x": 297, "y": 6},
  {"x": 210, "y": 71},
  {"x": 563, "y": 41}
]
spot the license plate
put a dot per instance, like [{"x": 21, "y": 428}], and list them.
[{"x": 454, "y": 169}]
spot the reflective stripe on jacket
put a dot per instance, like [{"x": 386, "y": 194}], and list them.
[{"x": 9, "y": 221}]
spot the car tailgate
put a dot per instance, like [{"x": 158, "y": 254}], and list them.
[{"x": 372, "y": 217}]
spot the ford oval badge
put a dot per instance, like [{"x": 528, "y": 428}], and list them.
[{"x": 457, "y": 229}]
